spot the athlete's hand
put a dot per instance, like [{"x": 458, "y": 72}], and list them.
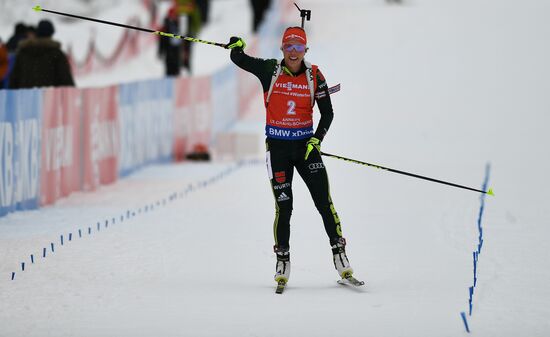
[
  {"x": 236, "y": 43},
  {"x": 312, "y": 143}
]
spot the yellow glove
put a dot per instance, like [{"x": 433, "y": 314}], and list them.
[{"x": 312, "y": 143}]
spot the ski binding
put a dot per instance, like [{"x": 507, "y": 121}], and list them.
[
  {"x": 351, "y": 281},
  {"x": 280, "y": 287}
]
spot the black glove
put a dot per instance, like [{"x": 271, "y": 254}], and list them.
[{"x": 236, "y": 43}]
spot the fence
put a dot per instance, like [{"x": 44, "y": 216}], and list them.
[
  {"x": 59, "y": 140},
  {"x": 56, "y": 141}
]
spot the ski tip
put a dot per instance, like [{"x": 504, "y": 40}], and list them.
[
  {"x": 37, "y": 8},
  {"x": 490, "y": 192}
]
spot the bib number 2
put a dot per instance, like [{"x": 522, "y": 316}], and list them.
[{"x": 291, "y": 108}]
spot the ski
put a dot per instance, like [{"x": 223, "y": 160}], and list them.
[
  {"x": 280, "y": 287},
  {"x": 350, "y": 280}
]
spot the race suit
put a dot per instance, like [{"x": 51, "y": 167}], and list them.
[{"x": 289, "y": 125}]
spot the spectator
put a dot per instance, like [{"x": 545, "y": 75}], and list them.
[
  {"x": 19, "y": 34},
  {"x": 40, "y": 62},
  {"x": 190, "y": 20},
  {"x": 30, "y": 33},
  {"x": 204, "y": 8},
  {"x": 259, "y": 7},
  {"x": 170, "y": 48},
  {"x": 3, "y": 64}
]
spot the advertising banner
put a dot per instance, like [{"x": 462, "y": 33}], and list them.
[
  {"x": 182, "y": 117},
  {"x": 101, "y": 137},
  {"x": 146, "y": 113},
  {"x": 249, "y": 88},
  {"x": 225, "y": 103},
  {"x": 60, "y": 170},
  {"x": 201, "y": 114},
  {"x": 19, "y": 149}
]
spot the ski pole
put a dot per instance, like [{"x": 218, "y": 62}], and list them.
[
  {"x": 175, "y": 36},
  {"x": 489, "y": 192}
]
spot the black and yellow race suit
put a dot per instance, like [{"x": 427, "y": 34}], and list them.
[{"x": 285, "y": 154}]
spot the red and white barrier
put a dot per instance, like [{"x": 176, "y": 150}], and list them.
[
  {"x": 61, "y": 134},
  {"x": 101, "y": 137},
  {"x": 90, "y": 137}
]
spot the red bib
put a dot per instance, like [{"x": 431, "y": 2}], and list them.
[{"x": 289, "y": 112}]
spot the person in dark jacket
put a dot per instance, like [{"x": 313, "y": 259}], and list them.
[
  {"x": 40, "y": 62},
  {"x": 170, "y": 48},
  {"x": 204, "y": 8},
  {"x": 190, "y": 24},
  {"x": 19, "y": 34},
  {"x": 259, "y": 7}
]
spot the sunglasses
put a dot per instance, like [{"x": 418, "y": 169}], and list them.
[{"x": 300, "y": 48}]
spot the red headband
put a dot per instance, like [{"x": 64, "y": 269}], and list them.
[{"x": 295, "y": 33}]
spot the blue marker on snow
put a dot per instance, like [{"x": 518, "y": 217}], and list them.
[
  {"x": 22, "y": 266},
  {"x": 12, "y": 275},
  {"x": 475, "y": 263},
  {"x": 70, "y": 236},
  {"x": 80, "y": 233},
  {"x": 52, "y": 245},
  {"x": 61, "y": 239},
  {"x": 44, "y": 252},
  {"x": 465, "y": 321},
  {"x": 32, "y": 259}
]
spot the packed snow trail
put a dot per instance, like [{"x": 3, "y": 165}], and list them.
[
  {"x": 202, "y": 265},
  {"x": 435, "y": 87}
]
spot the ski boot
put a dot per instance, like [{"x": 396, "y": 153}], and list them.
[
  {"x": 282, "y": 267},
  {"x": 341, "y": 262}
]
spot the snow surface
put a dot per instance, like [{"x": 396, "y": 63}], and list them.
[{"x": 434, "y": 87}]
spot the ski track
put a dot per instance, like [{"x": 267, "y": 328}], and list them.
[{"x": 434, "y": 87}]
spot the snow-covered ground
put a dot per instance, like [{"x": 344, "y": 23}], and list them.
[{"x": 435, "y": 87}]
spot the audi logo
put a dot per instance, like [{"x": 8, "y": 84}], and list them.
[{"x": 316, "y": 166}]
